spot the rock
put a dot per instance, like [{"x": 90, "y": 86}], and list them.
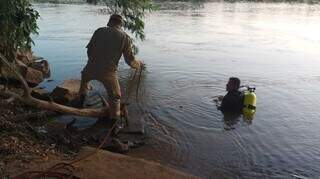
[
  {"x": 33, "y": 72},
  {"x": 119, "y": 146},
  {"x": 67, "y": 92},
  {"x": 40, "y": 94},
  {"x": 136, "y": 126},
  {"x": 42, "y": 66},
  {"x": 25, "y": 56},
  {"x": 32, "y": 76}
]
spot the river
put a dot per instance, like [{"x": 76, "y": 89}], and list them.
[{"x": 190, "y": 54}]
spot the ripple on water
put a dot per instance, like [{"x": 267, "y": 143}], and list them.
[{"x": 272, "y": 46}]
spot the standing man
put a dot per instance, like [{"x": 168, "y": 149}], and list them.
[{"x": 104, "y": 50}]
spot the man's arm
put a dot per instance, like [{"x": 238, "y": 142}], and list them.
[
  {"x": 226, "y": 104},
  {"x": 129, "y": 56},
  {"x": 92, "y": 42}
]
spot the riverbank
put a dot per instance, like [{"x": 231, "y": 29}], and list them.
[
  {"x": 105, "y": 164},
  {"x": 271, "y": 46},
  {"x": 32, "y": 140}
]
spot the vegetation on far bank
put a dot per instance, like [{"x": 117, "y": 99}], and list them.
[{"x": 156, "y": 1}]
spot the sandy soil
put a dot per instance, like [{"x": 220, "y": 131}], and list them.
[{"x": 105, "y": 164}]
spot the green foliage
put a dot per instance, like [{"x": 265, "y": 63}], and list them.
[
  {"x": 133, "y": 12},
  {"x": 18, "y": 20}
]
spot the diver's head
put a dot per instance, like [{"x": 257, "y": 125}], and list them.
[
  {"x": 233, "y": 84},
  {"x": 115, "y": 20}
]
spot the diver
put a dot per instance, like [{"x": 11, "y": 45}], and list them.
[{"x": 232, "y": 102}]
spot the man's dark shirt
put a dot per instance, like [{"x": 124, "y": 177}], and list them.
[{"x": 232, "y": 102}]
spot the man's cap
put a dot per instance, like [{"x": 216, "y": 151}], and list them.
[{"x": 116, "y": 17}]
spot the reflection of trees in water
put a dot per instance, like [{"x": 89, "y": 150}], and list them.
[
  {"x": 273, "y": 1},
  {"x": 232, "y": 119},
  {"x": 180, "y": 5},
  {"x": 92, "y": 1}
]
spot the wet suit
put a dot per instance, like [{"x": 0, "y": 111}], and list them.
[{"x": 232, "y": 102}]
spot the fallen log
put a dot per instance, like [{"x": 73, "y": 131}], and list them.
[{"x": 49, "y": 105}]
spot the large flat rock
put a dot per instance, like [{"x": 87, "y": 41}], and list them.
[{"x": 104, "y": 164}]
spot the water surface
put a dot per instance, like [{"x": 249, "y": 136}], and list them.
[{"x": 189, "y": 55}]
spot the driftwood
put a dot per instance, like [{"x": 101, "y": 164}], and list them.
[{"x": 49, "y": 105}]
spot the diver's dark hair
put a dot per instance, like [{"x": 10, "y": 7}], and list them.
[
  {"x": 236, "y": 81},
  {"x": 115, "y": 20}
]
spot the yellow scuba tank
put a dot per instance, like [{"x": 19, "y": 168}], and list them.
[{"x": 249, "y": 103}]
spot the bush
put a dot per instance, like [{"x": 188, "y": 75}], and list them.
[{"x": 18, "y": 20}]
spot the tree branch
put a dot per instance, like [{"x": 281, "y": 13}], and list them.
[
  {"x": 51, "y": 106},
  {"x": 26, "y": 88}
]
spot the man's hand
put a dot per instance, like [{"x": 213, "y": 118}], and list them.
[
  {"x": 139, "y": 65},
  {"x": 142, "y": 65}
]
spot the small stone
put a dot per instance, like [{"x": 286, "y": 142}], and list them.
[{"x": 119, "y": 146}]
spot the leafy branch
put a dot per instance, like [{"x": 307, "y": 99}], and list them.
[
  {"x": 133, "y": 12},
  {"x": 18, "y": 20}
]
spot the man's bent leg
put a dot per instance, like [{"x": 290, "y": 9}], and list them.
[{"x": 113, "y": 88}]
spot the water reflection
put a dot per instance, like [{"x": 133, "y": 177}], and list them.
[
  {"x": 190, "y": 54},
  {"x": 231, "y": 120}
]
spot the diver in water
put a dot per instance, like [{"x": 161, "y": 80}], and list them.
[{"x": 232, "y": 102}]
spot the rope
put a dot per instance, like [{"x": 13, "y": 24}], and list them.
[
  {"x": 138, "y": 84},
  {"x": 68, "y": 166}
]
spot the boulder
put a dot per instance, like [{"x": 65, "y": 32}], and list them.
[
  {"x": 136, "y": 126},
  {"x": 67, "y": 92},
  {"x": 25, "y": 56},
  {"x": 32, "y": 76},
  {"x": 33, "y": 71},
  {"x": 42, "y": 66},
  {"x": 40, "y": 93}
]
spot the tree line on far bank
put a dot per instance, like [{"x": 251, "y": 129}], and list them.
[
  {"x": 99, "y": 1},
  {"x": 18, "y": 18}
]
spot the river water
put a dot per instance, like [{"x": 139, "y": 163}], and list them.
[{"x": 190, "y": 53}]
